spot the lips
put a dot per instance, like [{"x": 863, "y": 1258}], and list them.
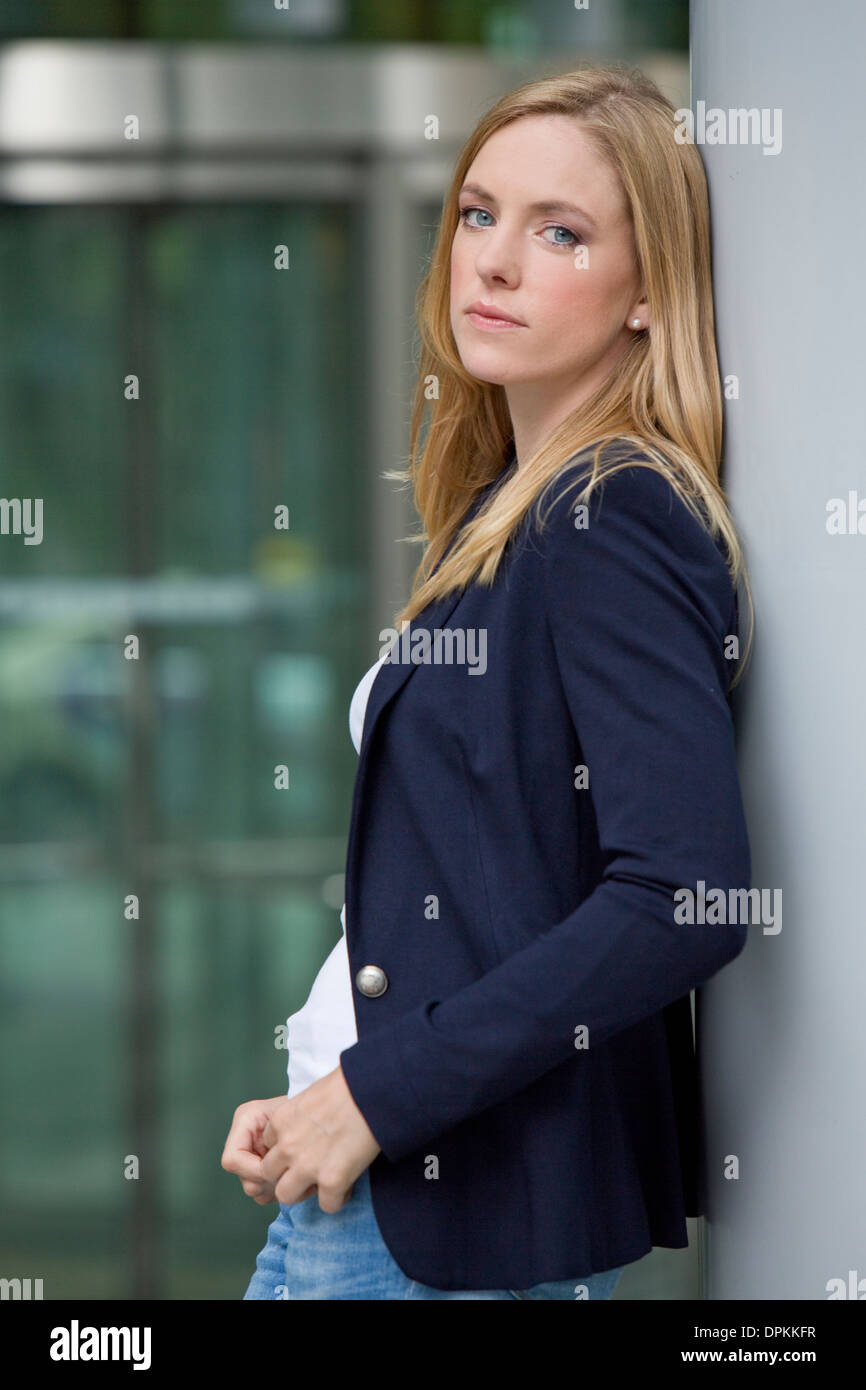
[{"x": 490, "y": 311}]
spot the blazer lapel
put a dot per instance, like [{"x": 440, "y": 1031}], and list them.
[
  {"x": 393, "y": 674},
  {"x": 390, "y": 678}
]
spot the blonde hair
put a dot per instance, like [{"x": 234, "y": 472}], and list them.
[{"x": 663, "y": 397}]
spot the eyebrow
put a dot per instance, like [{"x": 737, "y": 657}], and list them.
[{"x": 550, "y": 205}]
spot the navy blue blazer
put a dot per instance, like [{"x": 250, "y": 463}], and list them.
[{"x": 528, "y": 1066}]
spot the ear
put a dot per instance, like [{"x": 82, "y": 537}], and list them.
[{"x": 638, "y": 310}]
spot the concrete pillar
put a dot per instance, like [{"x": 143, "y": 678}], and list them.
[{"x": 781, "y": 1031}]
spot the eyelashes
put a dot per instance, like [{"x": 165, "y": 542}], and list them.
[{"x": 463, "y": 213}]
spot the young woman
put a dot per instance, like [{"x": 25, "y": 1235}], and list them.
[{"x": 493, "y": 1083}]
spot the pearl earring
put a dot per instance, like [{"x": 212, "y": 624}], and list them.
[{"x": 635, "y": 323}]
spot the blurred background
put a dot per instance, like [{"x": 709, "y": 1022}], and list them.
[{"x": 145, "y": 249}]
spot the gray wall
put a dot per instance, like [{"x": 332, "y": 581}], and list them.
[{"x": 781, "y": 1030}]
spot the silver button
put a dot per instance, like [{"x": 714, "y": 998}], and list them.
[{"x": 371, "y": 980}]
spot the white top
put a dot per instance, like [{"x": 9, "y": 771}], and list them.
[{"x": 325, "y": 1026}]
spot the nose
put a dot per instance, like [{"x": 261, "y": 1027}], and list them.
[{"x": 496, "y": 257}]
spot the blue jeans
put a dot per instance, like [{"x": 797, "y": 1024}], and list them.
[{"x": 313, "y": 1254}]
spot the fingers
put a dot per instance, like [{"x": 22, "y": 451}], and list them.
[
  {"x": 298, "y": 1182},
  {"x": 245, "y": 1146},
  {"x": 245, "y": 1165},
  {"x": 256, "y": 1189},
  {"x": 242, "y": 1161},
  {"x": 334, "y": 1198},
  {"x": 259, "y": 1146},
  {"x": 294, "y": 1184},
  {"x": 261, "y": 1192}
]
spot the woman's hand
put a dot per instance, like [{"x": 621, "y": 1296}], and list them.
[
  {"x": 245, "y": 1148},
  {"x": 316, "y": 1140}
]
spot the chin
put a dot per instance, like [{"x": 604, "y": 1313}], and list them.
[
  {"x": 486, "y": 367},
  {"x": 488, "y": 374}
]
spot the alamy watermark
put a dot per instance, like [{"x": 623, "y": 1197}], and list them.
[
  {"x": 23, "y": 1289},
  {"x": 697, "y": 906},
  {"x": 739, "y": 125},
  {"x": 17, "y": 518},
  {"x": 441, "y": 646},
  {"x": 76, "y": 1343}
]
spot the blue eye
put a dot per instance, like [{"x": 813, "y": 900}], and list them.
[
  {"x": 568, "y": 232},
  {"x": 463, "y": 214},
  {"x": 466, "y": 211}
]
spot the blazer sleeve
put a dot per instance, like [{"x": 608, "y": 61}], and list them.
[{"x": 639, "y": 604}]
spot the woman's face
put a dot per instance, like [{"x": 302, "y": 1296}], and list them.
[{"x": 568, "y": 274}]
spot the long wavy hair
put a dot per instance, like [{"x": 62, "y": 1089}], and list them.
[{"x": 662, "y": 399}]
